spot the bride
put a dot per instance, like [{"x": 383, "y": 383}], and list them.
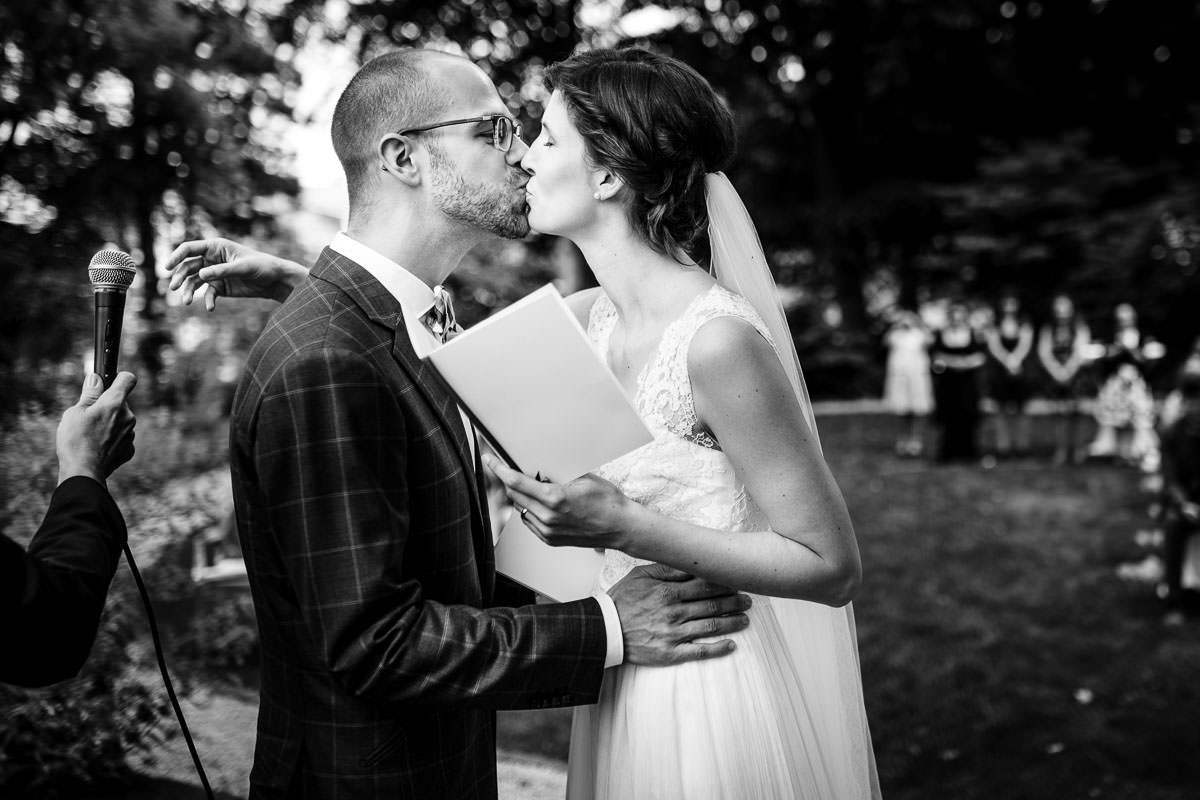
[{"x": 733, "y": 488}]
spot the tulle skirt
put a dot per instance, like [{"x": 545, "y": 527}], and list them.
[{"x": 732, "y": 728}]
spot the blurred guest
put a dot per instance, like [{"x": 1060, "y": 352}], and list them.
[
  {"x": 1009, "y": 341},
  {"x": 1062, "y": 348},
  {"x": 907, "y": 389},
  {"x": 156, "y": 352},
  {"x": 51, "y": 596},
  {"x": 1124, "y": 408},
  {"x": 1172, "y": 405},
  {"x": 1181, "y": 482},
  {"x": 957, "y": 354}
]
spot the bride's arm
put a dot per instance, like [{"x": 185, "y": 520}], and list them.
[{"x": 743, "y": 396}]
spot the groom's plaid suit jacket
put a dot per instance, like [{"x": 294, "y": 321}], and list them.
[{"x": 365, "y": 533}]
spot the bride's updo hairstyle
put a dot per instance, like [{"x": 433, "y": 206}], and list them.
[{"x": 656, "y": 123}]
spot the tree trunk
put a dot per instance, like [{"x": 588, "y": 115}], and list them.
[
  {"x": 837, "y": 140},
  {"x": 153, "y": 308}
]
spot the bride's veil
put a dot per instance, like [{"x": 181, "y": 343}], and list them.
[{"x": 821, "y": 640}]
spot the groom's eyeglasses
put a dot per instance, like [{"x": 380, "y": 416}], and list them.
[{"x": 504, "y": 129}]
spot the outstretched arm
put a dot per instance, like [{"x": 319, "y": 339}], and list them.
[
  {"x": 222, "y": 268},
  {"x": 743, "y": 397}
]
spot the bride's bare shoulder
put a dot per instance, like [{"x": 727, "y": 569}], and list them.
[{"x": 581, "y": 303}]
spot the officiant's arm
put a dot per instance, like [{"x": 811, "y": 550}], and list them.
[
  {"x": 219, "y": 267},
  {"x": 744, "y": 399}
]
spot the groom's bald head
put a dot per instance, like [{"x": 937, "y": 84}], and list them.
[{"x": 390, "y": 93}]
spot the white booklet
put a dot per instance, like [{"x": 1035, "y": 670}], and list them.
[{"x": 540, "y": 394}]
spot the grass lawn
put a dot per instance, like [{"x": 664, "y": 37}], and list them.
[{"x": 1002, "y": 657}]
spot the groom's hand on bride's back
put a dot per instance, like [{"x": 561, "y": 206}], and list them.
[{"x": 664, "y": 611}]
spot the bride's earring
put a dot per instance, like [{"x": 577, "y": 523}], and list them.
[{"x": 595, "y": 195}]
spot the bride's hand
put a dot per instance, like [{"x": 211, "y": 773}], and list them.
[
  {"x": 222, "y": 268},
  {"x": 587, "y": 512}
]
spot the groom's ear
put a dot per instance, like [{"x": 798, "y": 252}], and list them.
[{"x": 396, "y": 154}]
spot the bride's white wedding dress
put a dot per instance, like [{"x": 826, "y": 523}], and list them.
[{"x": 773, "y": 721}]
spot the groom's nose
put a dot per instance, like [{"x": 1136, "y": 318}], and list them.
[{"x": 517, "y": 151}]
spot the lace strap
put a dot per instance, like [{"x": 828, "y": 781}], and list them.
[
  {"x": 602, "y": 318},
  {"x": 672, "y": 399},
  {"x": 719, "y": 302}
]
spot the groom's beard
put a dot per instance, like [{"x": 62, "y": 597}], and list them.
[{"x": 499, "y": 210}]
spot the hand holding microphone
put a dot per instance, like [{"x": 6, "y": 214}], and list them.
[{"x": 95, "y": 436}]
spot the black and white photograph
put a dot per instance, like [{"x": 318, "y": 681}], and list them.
[{"x": 599, "y": 400}]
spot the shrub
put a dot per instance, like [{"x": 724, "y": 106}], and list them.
[
  {"x": 76, "y": 734},
  {"x": 80, "y": 732}
]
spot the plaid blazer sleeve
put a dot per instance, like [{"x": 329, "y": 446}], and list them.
[{"x": 330, "y": 452}]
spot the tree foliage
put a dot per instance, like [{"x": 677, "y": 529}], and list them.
[
  {"x": 890, "y": 151},
  {"x": 118, "y": 119},
  {"x": 895, "y": 151}
]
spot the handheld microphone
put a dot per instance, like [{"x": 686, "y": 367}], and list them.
[{"x": 111, "y": 272}]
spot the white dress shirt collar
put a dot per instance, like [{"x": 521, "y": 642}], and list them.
[{"x": 413, "y": 295}]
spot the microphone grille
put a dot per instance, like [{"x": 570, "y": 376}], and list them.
[{"x": 111, "y": 269}]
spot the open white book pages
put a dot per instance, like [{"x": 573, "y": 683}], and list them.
[{"x": 538, "y": 391}]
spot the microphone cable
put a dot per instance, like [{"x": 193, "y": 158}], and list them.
[
  {"x": 162, "y": 667},
  {"x": 111, "y": 273}
]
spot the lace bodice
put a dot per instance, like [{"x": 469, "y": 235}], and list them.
[{"x": 683, "y": 473}]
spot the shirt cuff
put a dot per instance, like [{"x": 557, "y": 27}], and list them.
[{"x": 615, "y": 654}]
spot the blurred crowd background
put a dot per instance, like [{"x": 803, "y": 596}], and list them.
[{"x": 939, "y": 186}]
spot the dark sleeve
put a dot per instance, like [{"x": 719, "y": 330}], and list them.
[
  {"x": 330, "y": 454},
  {"x": 52, "y": 595},
  {"x": 935, "y": 344},
  {"x": 510, "y": 593}
]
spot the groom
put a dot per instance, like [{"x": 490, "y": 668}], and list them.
[{"x": 358, "y": 486}]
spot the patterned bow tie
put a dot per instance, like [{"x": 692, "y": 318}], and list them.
[{"x": 440, "y": 319}]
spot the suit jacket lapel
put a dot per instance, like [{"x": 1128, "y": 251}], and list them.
[
  {"x": 437, "y": 393},
  {"x": 431, "y": 384},
  {"x": 379, "y": 305}
]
